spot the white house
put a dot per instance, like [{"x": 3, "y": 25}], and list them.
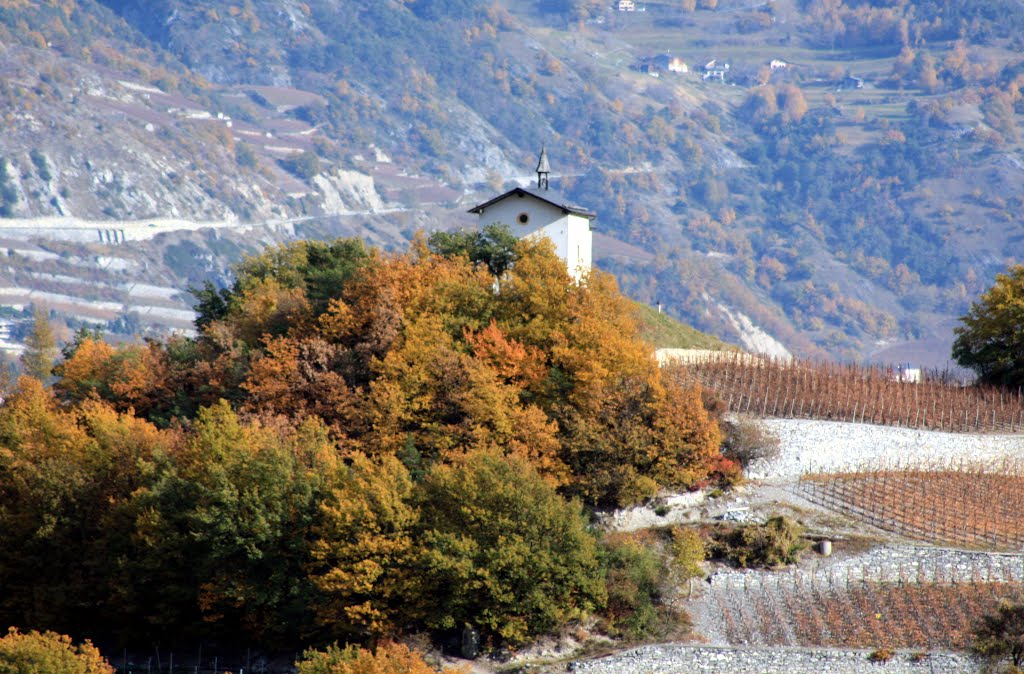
[
  {"x": 537, "y": 211},
  {"x": 713, "y": 70}
]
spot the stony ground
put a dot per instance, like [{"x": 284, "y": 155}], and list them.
[
  {"x": 860, "y": 551},
  {"x": 682, "y": 659}
]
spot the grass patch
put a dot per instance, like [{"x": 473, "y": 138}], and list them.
[{"x": 665, "y": 332}]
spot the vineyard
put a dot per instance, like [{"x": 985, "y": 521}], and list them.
[
  {"x": 806, "y": 390},
  {"x": 975, "y": 506},
  {"x": 810, "y": 612}
]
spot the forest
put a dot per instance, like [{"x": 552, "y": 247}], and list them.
[{"x": 357, "y": 445}]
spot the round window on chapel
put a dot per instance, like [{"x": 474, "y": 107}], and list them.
[{"x": 523, "y": 218}]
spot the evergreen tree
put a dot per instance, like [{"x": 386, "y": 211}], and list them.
[{"x": 40, "y": 346}]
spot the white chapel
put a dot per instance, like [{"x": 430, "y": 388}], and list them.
[{"x": 541, "y": 212}]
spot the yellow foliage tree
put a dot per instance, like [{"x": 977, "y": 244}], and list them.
[
  {"x": 364, "y": 556},
  {"x": 387, "y": 658},
  {"x": 49, "y": 653}
]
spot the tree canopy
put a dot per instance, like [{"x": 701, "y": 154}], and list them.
[
  {"x": 356, "y": 444},
  {"x": 48, "y": 653},
  {"x": 991, "y": 339}
]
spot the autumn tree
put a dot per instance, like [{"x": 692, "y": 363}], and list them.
[
  {"x": 94, "y": 368},
  {"x": 386, "y": 658},
  {"x": 364, "y": 559},
  {"x": 990, "y": 340},
  {"x": 66, "y": 480},
  {"x": 49, "y": 653},
  {"x": 792, "y": 103}
]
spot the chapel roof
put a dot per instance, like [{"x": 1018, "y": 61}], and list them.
[{"x": 547, "y": 196}]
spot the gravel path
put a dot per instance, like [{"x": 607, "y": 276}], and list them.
[{"x": 808, "y": 446}]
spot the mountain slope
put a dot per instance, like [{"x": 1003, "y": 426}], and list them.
[{"x": 855, "y": 196}]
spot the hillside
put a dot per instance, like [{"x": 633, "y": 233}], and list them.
[
  {"x": 853, "y": 198},
  {"x": 665, "y": 332}
]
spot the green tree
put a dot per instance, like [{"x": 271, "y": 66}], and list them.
[
  {"x": 991, "y": 339},
  {"x": 320, "y": 268},
  {"x": 49, "y": 653},
  {"x": 494, "y": 246},
  {"x": 1000, "y": 635},
  {"x": 503, "y": 552},
  {"x": 305, "y": 165},
  {"x": 40, "y": 346},
  {"x": 223, "y": 532},
  {"x": 212, "y": 303}
]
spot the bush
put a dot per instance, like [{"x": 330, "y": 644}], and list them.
[
  {"x": 245, "y": 157},
  {"x": 881, "y": 655},
  {"x": 777, "y": 542},
  {"x": 635, "y": 572},
  {"x": 387, "y": 658},
  {"x": 1001, "y": 634},
  {"x": 747, "y": 440},
  {"x": 42, "y": 166}
]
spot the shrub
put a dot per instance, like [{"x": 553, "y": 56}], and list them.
[
  {"x": 777, "y": 542},
  {"x": 387, "y": 658},
  {"x": 635, "y": 571},
  {"x": 245, "y": 157},
  {"x": 747, "y": 440},
  {"x": 882, "y": 654},
  {"x": 42, "y": 166},
  {"x": 1001, "y": 634}
]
